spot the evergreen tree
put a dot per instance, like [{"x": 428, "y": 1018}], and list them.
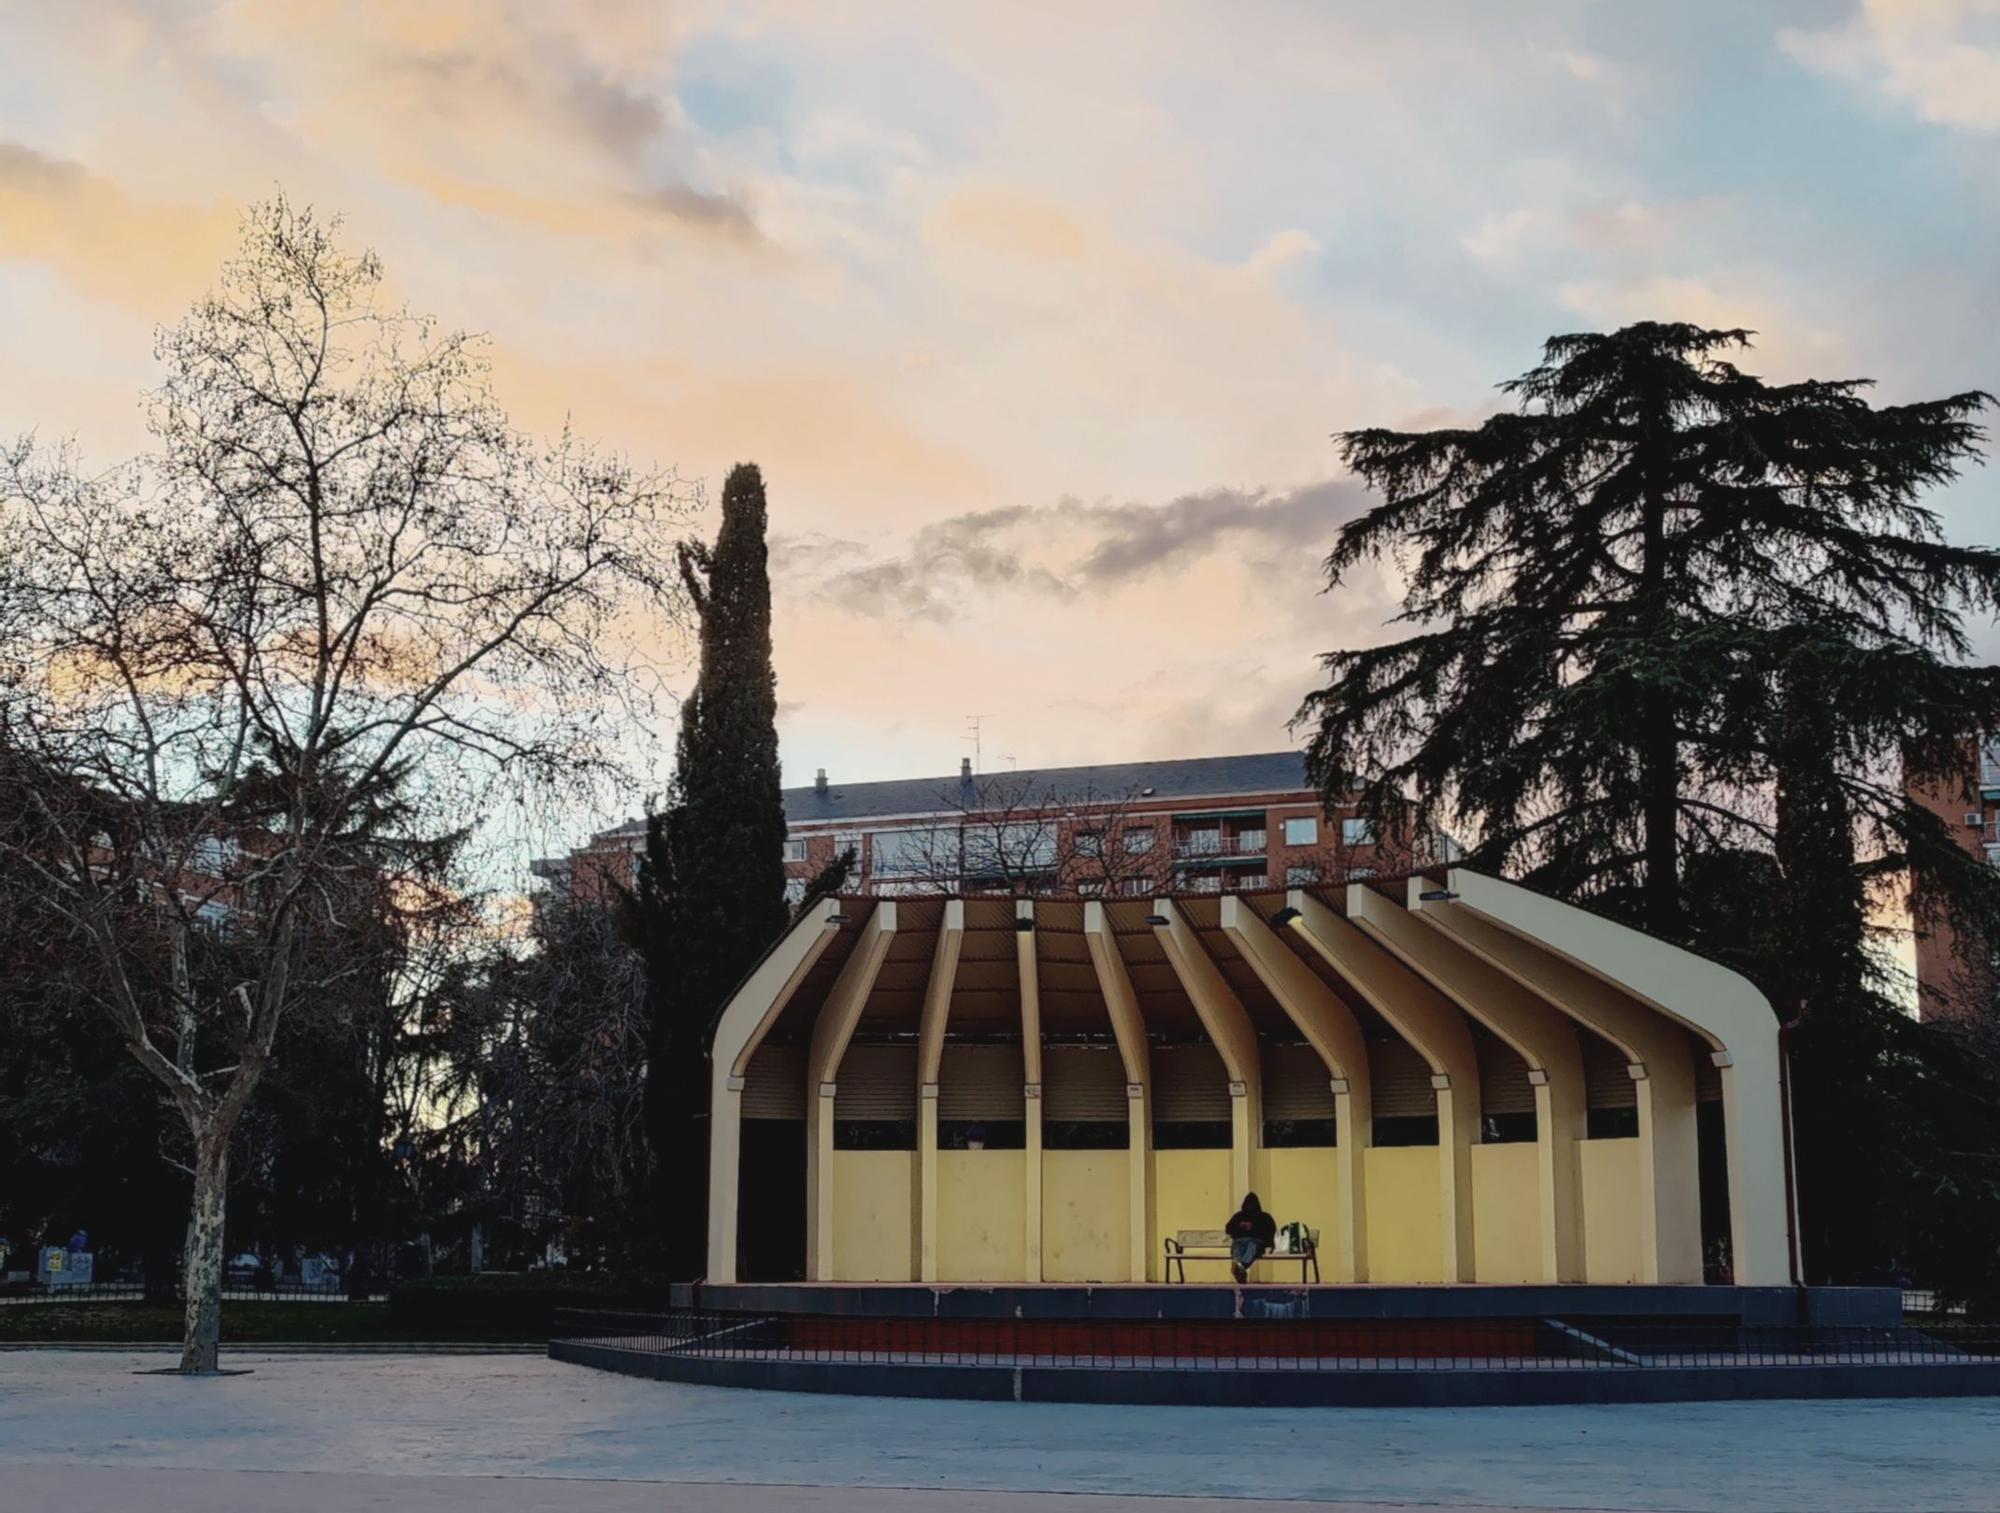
[
  {"x": 710, "y": 898},
  {"x": 1684, "y": 641},
  {"x": 1588, "y": 576}
]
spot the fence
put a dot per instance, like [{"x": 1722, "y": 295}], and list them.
[
  {"x": 139, "y": 1291},
  {"x": 1303, "y": 1345}
]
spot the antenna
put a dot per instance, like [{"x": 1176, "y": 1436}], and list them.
[
  {"x": 972, "y": 735},
  {"x": 1008, "y": 758}
]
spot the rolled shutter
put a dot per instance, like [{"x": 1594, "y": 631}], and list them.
[
  {"x": 775, "y": 1085},
  {"x": 877, "y": 1082},
  {"x": 980, "y": 1082},
  {"x": 1400, "y": 1081},
  {"x": 1190, "y": 1085},
  {"x": 1297, "y": 1084},
  {"x": 1083, "y": 1084},
  {"x": 1503, "y": 1075},
  {"x": 1607, "y": 1079}
]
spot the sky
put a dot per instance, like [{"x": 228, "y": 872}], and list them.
[{"x": 1040, "y": 319}]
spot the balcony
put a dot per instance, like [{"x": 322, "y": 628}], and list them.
[
  {"x": 1223, "y": 882},
  {"x": 1219, "y": 846}
]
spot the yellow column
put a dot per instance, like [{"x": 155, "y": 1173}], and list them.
[
  {"x": 1028, "y": 961},
  {"x": 1332, "y": 1030},
  {"x": 1657, "y": 1054},
  {"x": 831, "y": 1032},
  {"x": 930, "y": 1054},
  {"x": 744, "y": 1022},
  {"x": 1542, "y": 1036},
  {"x": 1228, "y": 1026},
  {"x": 1437, "y": 1031},
  {"x": 1115, "y": 983}
]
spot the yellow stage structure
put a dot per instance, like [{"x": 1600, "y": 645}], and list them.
[{"x": 1464, "y": 1083}]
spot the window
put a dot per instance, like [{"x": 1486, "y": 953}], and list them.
[
  {"x": 1303, "y": 831},
  {"x": 1009, "y": 849},
  {"x": 1301, "y": 877},
  {"x": 1357, "y": 833},
  {"x": 1138, "y": 887},
  {"x": 795, "y": 891},
  {"x": 795, "y": 849},
  {"x": 905, "y": 853},
  {"x": 213, "y": 855},
  {"x": 1090, "y": 843},
  {"x": 1138, "y": 842}
]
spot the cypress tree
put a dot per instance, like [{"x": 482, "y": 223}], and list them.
[{"x": 710, "y": 896}]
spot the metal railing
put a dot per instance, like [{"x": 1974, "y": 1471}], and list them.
[
  {"x": 1276, "y": 1345},
  {"x": 1244, "y": 843}
]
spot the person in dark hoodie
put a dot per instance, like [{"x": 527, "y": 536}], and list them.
[{"x": 1251, "y": 1232}]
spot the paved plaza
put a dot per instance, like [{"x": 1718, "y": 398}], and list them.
[{"x": 329, "y": 1433}]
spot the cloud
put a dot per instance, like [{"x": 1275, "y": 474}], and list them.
[
  {"x": 1788, "y": 345},
  {"x": 1062, "y": 550},
  {"x": 944, "y": 559},
  {"x": 556, "y": 117},
  {"x": 1136, "y": 539},
  {"x": 1941, "y": 58},
  {"x": 103, "y": 241}
]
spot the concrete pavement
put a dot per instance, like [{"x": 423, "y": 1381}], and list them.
[{"x": 326, "y": 1434}]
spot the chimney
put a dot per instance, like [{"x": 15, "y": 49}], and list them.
[
  {"x": 965, "y": 769},
  {"x": 819, "y": 781}
]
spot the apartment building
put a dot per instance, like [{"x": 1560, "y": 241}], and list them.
[
  {"x": 1956, "y": 978},
  {"x": 1201, "y": 824}
]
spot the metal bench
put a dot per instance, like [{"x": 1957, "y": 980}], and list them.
[{"x": 1213, "y": 1245}]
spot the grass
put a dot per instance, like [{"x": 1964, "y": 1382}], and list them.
[{"x": 242, "y": 1324}]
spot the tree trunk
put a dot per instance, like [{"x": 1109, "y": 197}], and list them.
[
  {"x": 1659, "y": 782},
  {"x": 1659, "y": 742},
  {"x": 201, "y": 1277}
]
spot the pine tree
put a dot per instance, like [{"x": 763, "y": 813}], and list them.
[
  {"x": 710, "y": 898},
  {"x": 1589, "y": 576},
  {"x": 1684, "y": 640}
]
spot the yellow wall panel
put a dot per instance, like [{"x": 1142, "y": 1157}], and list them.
[
  {"x": 1190, "y": 1191},
  {"x": 1086, "y": 1216},
  {"x": 1506, "y": 1213},
  {"x": 981, "y": 1198},
  {"x": 1302, "y": 1184},
  {"x": 1613, "y": 1241},
  {"x": 1402, "y": 1200},
  {"x": 873, "y": 1228}
]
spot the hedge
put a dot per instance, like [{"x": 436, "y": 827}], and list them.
[{"x": 522, "y": 1303}]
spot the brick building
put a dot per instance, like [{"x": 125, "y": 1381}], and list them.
[
  {"x": 1201, "y": 824},
  {"x": 1954, "y": 978}
]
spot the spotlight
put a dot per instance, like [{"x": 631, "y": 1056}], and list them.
[
  {"x": 834, "y": 919},
  {"x": 1158, "y": 921},
  {"x": 1024, "y": 926},
  {"x": 1436, "y": 895},
  {"x": 1286, "y": 915}
]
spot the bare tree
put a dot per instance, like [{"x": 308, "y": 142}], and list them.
[
  {"x": 1012, "y": 834},
  {"x": 342, "y": 605}
]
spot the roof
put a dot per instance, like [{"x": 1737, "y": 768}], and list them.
[
  {"x": 1114, "y": 783},
  {"x": 1188, "y": 778}
]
